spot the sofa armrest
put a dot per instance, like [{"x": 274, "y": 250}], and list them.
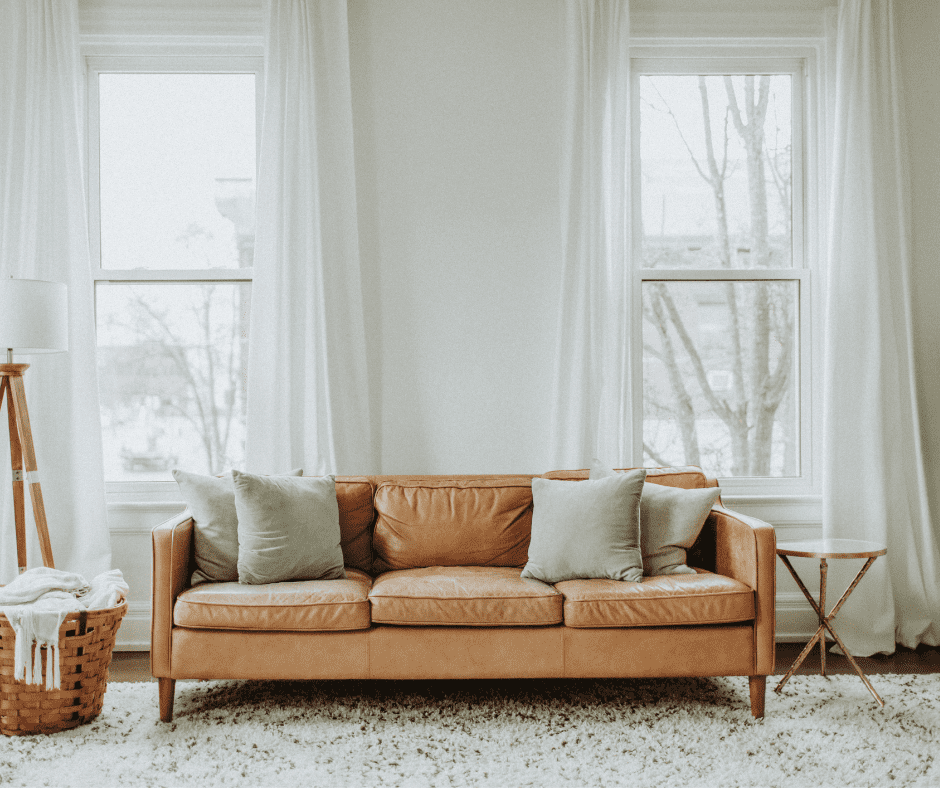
[
  {"x": 172, "y": 546},
  {"x": 745, "y": 549}
]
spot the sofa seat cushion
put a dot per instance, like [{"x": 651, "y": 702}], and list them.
[
  {"x": 299, "y": 605},
  {"x": 667, "y": 600},
  {"x": 476, "y": 596}
]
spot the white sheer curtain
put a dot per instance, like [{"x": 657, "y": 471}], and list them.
[
  {"x": 308, "y": 397},
  {"x": 874, "y": 482},
  {"x": 44, "y": 235},
  {"x": 591, "y": 402}
]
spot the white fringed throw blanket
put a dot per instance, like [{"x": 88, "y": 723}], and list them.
[{"x": 37, "y": 602}]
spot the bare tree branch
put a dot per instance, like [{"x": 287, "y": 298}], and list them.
[
  {"x": 658, "y": 459},
  {"x": 691, "y": 351},
  {"x": 685, "y": 415},
  {"x": 681, "y": 135}
]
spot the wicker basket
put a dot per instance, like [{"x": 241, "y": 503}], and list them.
[{"x": 86, "y": 640}]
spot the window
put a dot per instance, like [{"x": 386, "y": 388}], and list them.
[
  {"x": 172, "y": 160},
  {"x": 723, "y": 265}
]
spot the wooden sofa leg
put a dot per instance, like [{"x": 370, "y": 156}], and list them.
[
  {"x": 167, "y": 688},
  {"x": 758, "y": 691}
]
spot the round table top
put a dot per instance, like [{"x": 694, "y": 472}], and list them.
[{"x": 831, "y": 548}]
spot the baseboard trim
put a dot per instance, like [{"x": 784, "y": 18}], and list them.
[{"x": 134, "y": 633}]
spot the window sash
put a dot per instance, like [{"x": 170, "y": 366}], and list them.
[
  {"x": 676, "y": 66},
  {"x": 95, "y": 65},
  {"x": 742, "y": 485},
  {"x": 171, "y": 275}
]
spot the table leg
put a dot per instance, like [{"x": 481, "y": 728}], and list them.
[
  {"x": 799, "y": 660},
  {"x": 855, "y": 666},
  {"x": 827, "y": 621},
  {"x": 823, "y": 571},
  {"x": 825, "y": 624},
  {"x": 812, "y": 642}
]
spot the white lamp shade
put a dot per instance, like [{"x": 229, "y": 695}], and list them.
[{"x": 34, "y": 316}]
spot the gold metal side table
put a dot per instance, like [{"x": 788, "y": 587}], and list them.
[{"x": 824, "y": 550}]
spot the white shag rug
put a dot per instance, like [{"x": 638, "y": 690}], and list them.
[{"x": 657, "y": 732}]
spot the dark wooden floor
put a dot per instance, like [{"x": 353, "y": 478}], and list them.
[
  {"x": 923, "y": 659},
  {"x": 135, "y": 665}
]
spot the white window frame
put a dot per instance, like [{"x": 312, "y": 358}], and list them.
[
  {"x": 162, "y": 60},
  {"x": 803, "y": 61}
]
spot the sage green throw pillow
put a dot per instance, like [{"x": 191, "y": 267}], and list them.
[
  {"x": 211, "y": 500},
  {"x": 588, "y": 529},
  {"x": 671, "y": 518},
  {"x": 288, "y": 528}
]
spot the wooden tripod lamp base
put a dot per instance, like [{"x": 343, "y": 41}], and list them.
[
  {"x": 23, "y": 461},
  {"x": 33, "y": 319}
]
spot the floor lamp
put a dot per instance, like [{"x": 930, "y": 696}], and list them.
[{"x": 33, "y": 319}]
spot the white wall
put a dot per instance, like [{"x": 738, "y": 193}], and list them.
[{"x": 458, "y": 116}]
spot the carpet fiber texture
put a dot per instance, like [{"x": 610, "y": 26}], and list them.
[{"x": 651, "y": 732}]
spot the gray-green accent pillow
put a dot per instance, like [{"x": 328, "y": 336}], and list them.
[
  {"x": 211, "y": 499},
  {"x": 288, "y": 528},
  {"x": 586, "y": 529},
  {"x": 671, "y": 518}
]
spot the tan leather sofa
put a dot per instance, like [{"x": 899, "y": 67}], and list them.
[{"x": 433, "y": 591}]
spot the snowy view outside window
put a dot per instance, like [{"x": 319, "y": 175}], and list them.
[
  {"x": 176, "y": 179},
  {"x": 720, "y": 387}
]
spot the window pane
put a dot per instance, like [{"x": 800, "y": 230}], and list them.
[
  {"x": 719, "y": 376},
  {"x": 715, "y": 171},
  {"x": 171, "y": 365},
  {"x": 177, "y": 169}
]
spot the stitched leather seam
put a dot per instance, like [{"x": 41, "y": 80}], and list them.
[
  {"x": 257, "y": 629},
  {"x": 649, "y": 598},
  {"x": 651, "y": 473},
  {"x": 153, "y": 597},
  {"x": 456, "y": 484},
  {"x": 471, "y": 623},
  {"x": 273, "y": 606},
  {"x": 660, "y": 623},
  {"x": 466, "y": 598},
  {"x": 169, "y": 640}
]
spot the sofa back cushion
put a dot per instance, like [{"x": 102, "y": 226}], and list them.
[
  {"x": 482, "y": 521},
  {"x": 354, "y": 498},
  {"x": 688, "y": 477}
]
